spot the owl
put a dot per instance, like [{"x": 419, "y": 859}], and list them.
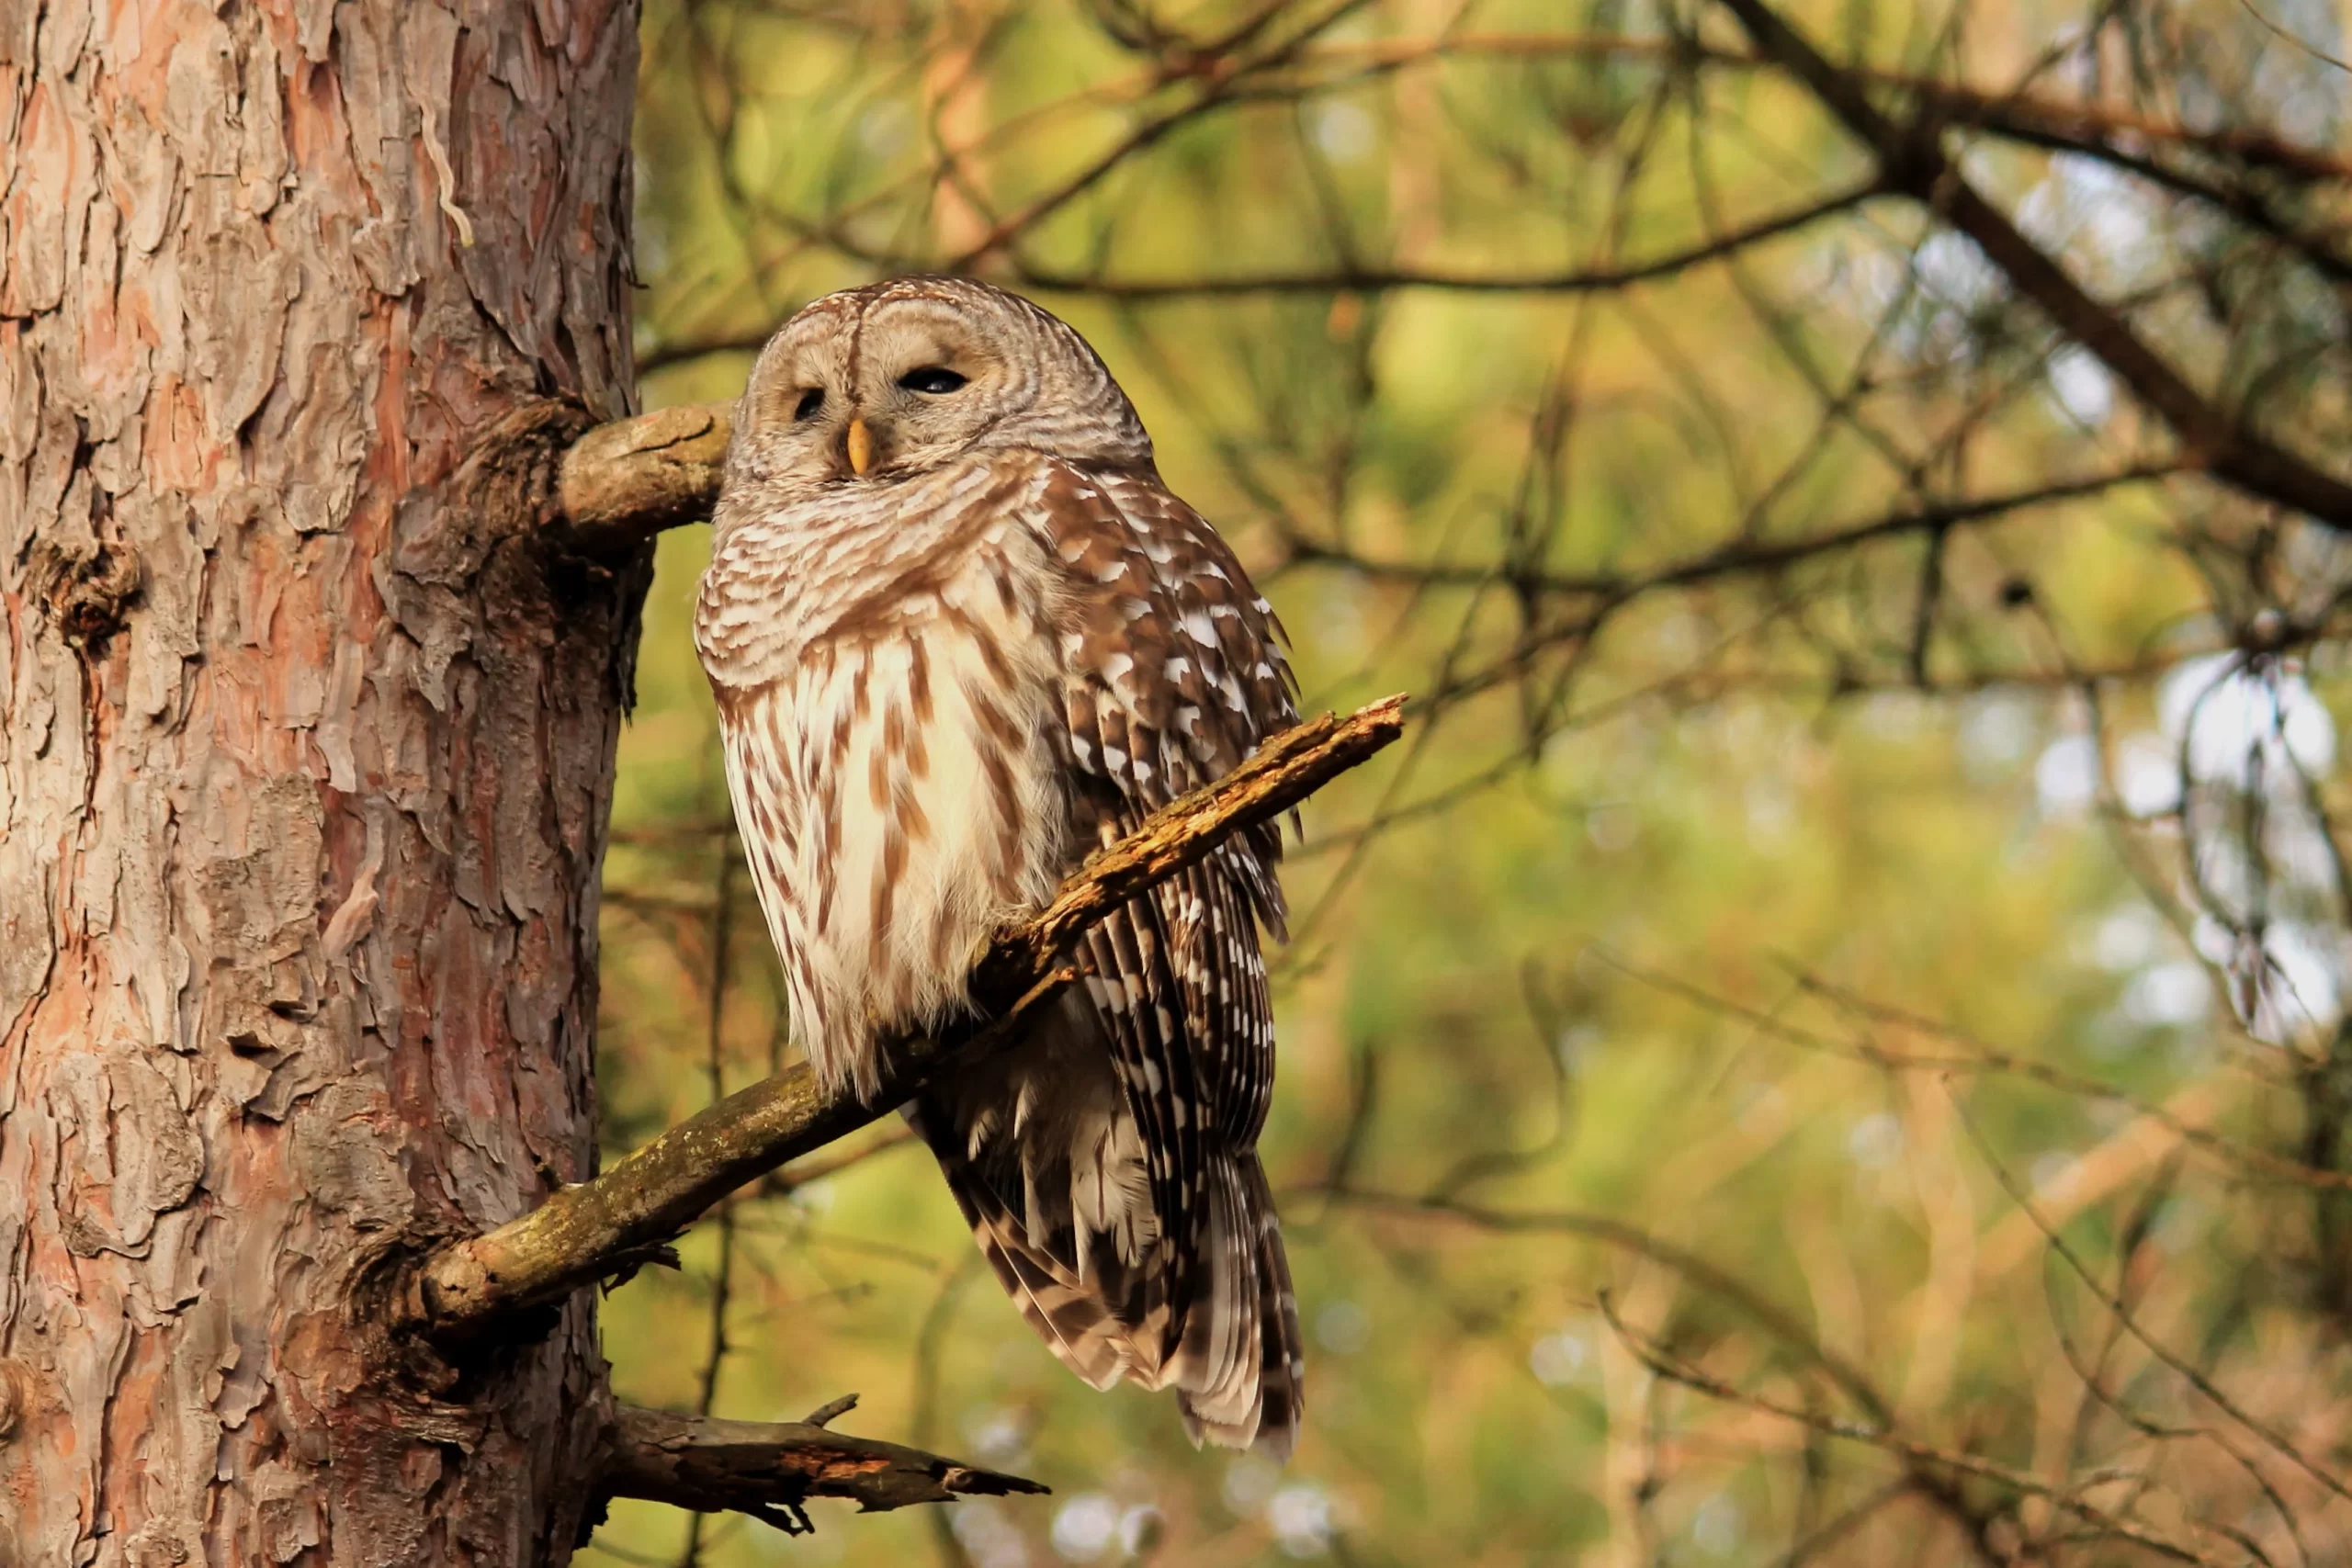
[{"x": 961, "y": 634}]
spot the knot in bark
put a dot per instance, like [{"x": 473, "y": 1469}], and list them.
[{"x": 86, "y": 593}]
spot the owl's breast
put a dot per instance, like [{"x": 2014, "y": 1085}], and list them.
[
  {"x": 899, "y": 790},
  {"x": 789, "y": 578}
]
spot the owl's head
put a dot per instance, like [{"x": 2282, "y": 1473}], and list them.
[{"x": 883, "y": 383}]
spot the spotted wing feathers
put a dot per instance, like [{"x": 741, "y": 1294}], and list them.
[{"x": 1137, "y": 1236}]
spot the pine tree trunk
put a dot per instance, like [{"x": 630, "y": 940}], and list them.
[{"x": 306, "y": 747}]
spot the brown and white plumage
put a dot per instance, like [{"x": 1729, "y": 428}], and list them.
[{"x": 960, "y": 635}]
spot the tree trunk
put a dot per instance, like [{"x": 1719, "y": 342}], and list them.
[{"x": 306, "y": 759}]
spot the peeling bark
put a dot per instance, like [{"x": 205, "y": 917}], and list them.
[{"x": 306, "y": 742}]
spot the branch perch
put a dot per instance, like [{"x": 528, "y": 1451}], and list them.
[
  {"x": 585, "y": 1233},
  {"x": 623, "y": 482},
  {"x": 769, "y": 1469}
]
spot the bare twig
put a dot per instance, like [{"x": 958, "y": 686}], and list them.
[
  {"x": 1741, "y": 555},
  {"x": 832, "y": 1410},
  {"x": 1975, "y": 1055},
  {"x": 1368, "y": 279},
  {"x": 1673, "y": 1369},
  {"x": 584, "y": 1233},
  {"x": 1912, "y": 159},
  {"x": 1981, "y": 1056},
  {"x": 2306, "y": 45},
  {"x": 1608, "y": 1230},
  {"x": 769, "y": 1470},
  {"x": 2089, "y": 126},
  {"x": 1362, "y": 279},
  {"x": 2196, "y": 1378}
]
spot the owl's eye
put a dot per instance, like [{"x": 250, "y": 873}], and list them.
[
  {"x": 931, "y": 378},
  {"x": 810, "y": 401}
]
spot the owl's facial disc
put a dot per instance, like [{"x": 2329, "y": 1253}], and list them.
[
  {"x": 880, "y": 384},
  {"x": 924, "y": 386},
  {"x": 798, "y": 406}
]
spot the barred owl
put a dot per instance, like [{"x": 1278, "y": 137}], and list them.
[{"x": 961, "y": 634}]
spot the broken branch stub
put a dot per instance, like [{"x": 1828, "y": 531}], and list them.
[
  {"x": 584, "y": 1233},
  {"x": 623, "y": 482}
]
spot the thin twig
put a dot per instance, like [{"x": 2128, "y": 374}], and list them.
[
  {"x": 1365, "y": 279},
  {"x": 1977, "y": 1057},
  {"x": 1674, "y": 1370},
  {"x": 2271, "y": 1438},
  {"x": 1740, "y": 556},
  {"x": 1912, "y": 159}
]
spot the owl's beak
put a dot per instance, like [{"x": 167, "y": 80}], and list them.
[{"x": 860, "y": 442}]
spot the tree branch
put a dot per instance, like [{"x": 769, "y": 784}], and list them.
[
  {"x": 1739, "y": 557},
  {"x": 769, "y": 1470},
  {"x": 2090, "y": 127},
  {"x": 1363, "y": 279},
  {"x": 585, "y": 1233},
  {"x": 1912, "y": 159},
  {"x": 1377, "y": 279}
]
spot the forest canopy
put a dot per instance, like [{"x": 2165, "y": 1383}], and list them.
[{"x": 1826, "y": 1041}]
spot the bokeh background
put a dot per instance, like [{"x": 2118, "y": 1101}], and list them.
[{"x": 1826, "y": 1042}]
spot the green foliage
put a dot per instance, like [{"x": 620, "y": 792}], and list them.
[{"x": 1712, "y": 811}]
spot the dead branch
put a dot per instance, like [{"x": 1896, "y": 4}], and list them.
[
  {"x": 1912, "y": 159},
  {"x": 769, "y": 1470},
  {"x": 585, "y": 1233}
]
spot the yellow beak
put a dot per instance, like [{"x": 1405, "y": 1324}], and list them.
[{"x": 861, "y": 445}]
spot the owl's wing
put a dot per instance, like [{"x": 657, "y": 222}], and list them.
[
  {"x": 1175, "y": 662},
  {"x": 1173, "y": 674}
]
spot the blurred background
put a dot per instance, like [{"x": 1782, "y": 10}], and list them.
[{"x": 1826, "y": 1042}]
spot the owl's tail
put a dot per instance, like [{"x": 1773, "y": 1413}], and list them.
[
  {"x": 1239, "y": 1371},
  {"x": 1045, "y": 1160}
]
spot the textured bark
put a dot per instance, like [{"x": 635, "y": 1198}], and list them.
[{"x": 306, "y": 739}]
